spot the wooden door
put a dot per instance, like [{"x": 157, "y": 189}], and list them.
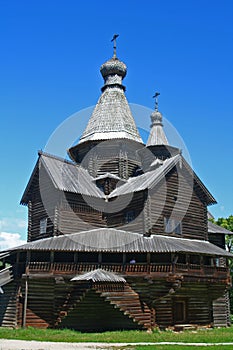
[{"x": 179, "y": 311}]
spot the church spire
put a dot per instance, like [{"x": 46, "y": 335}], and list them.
[
  {"x": 156, "y": 101},
  {"x": 157, "y": 135},
  {"x": 112, "y": 117},
  {"x": 113, "y": 71}
]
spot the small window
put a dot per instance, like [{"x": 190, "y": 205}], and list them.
[
  {"x": 181, "y": 258},
  {"x": 208, "y": 260},
  {"x": 43, "y": 225},
  {"x": 194, "y": 259},
  {"x": 129, "y": 216},
  {"x": 172, "y": 226}
]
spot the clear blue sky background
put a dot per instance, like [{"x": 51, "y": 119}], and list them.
[{"x": 51, "y": 52}]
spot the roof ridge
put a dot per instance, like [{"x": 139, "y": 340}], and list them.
[{"x": 49, "y": 155}]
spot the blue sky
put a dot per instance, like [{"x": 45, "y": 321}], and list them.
[{"x": 51, "y": 52}]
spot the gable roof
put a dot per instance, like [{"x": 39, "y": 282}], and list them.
[
  {"x": 65, "y": 176},
  {"x": 69, "y": 177},
  {"x": 119, "y": 241},
  {"x": 151, "y": 178},
  {"x": 99, "y": 275},
  {"x": 213, "y": 228},
  {"x": 147, "y": 180}
]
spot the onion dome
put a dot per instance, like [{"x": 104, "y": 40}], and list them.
[
  {"x": 112, "y": 118},
  {"x": 156, "y": 118},
  {"x": 113, "y": 71},
  {"x": 112, "y": 67},
  {"x": 157, "y": 135}
]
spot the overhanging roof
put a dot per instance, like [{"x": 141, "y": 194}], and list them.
[
  {"x": 99, "y": 275},
  {"x": 151, "y": 178},
  {"x": 213, "y": 228},
  {"x": 147, "y": 180},
  {"x": 65, "y": 176},
  {"x": 119, "y": 241},
  {"x": 68, "y": 177},
  {"x": 6, "y": 276}
]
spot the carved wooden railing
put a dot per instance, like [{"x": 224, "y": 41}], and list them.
[{"x": 138, "y": 268}]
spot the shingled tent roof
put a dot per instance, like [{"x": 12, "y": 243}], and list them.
[
  {"x": 119, "y": 241},
  {"x": 111, "y": 119}
]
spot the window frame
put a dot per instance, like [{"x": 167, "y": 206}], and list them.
[
  {"x": 43, "y": 225},
  {"x": 130, "y": 216},
  {"x": 172, "y": 225}
]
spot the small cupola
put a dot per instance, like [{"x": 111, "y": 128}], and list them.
[
  {"x": 157, "y": 135},
  {"x": 113, "y": 71}
]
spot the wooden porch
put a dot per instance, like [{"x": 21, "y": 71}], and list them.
[{"x": 130, "y": 269}]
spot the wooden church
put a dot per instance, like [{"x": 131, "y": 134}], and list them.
[{"x": 118, "y": 235}]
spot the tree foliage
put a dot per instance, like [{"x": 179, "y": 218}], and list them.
[{"x": 228, "y": 224}]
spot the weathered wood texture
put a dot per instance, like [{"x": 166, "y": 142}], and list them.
[
  {"x": 109, "y": 157},
  {"x": 221, "y": 311},
  {"x": 43, "y": 203},
  {"x": 75, "y": 215},
  {"x": 40, "y": 305},
  {"x": 145, "y": 302},
  {"x": 55, "y": 302},
  {"x": 217, "y": 239},
  {"x": 101, "y": 316},
  {"x": 8, "y": 301},
  {"x": 176, "y": 197},
  {"x": 69, "y": 212}
]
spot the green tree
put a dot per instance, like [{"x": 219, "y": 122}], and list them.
[{"x": 228, "y": 224}]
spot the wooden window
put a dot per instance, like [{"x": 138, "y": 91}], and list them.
[
  {"x": 208, "y": 261},
  {"x": 129, "y": 216},
  {"x": 181, "y": 258},
  {"x": 43, "y": 225},
  {"x": 194, "y": 259},
  {"x": 172, "y": 225}
]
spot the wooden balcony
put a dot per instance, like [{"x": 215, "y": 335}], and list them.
[{"x": 131, "y": 269}]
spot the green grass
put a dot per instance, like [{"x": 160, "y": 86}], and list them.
[
  {"x": 180, "y": 347},
  {"x": 205, "y": 336}
]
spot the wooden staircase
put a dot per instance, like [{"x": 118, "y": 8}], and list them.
[
  {"x": 66, "y": 303},
  {"x": 129, "y": 303},
  {"x": 8, "y": 301}
]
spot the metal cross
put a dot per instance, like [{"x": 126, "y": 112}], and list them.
[
  {"x": 115, "y": 36},
  {"x": 156, "y": 100}
]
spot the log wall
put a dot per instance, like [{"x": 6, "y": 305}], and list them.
[
  {"x": 8, "y": 301},
  {"x": 53, "y": 301},
  {"x": 170, "y": 199},
  {"x": 43, "y": 204},
  {"x": 221, "y": 311}
]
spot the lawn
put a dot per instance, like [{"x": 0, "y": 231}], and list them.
[
  {"x": 201, "y": 336},
  {"x": 180, "y": 347}
]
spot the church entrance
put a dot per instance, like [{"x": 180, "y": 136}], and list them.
[{"x": 179, "y": 311}]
